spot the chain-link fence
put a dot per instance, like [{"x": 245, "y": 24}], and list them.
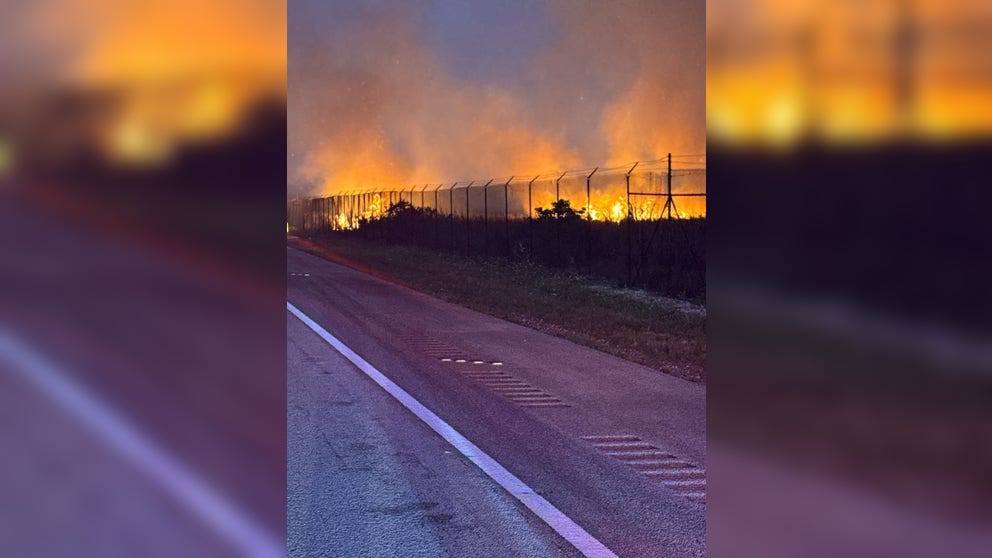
[{"x": 641, "y": 224}]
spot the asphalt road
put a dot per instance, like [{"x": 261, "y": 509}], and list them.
[
  {"x": 618, "y": 448},
  {"x": 125, "y": 375},
  {"x": 365, "y": 478}
]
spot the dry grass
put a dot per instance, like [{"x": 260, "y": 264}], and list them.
[{"x": 636, "y": 328}]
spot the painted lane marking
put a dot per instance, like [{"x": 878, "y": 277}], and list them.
[
  {"x": 595, "y": 440},
  {"x": 517, "y": 391},
  {"x": 180, "y": 483},
  {"x": 626, "y": 446},
  {"x": 693, "y": 484},
  {"x": 588, "y": 545},
  {"x": 549, "y": 405},
  {"x": 660, "y": 458},
  {"x": 673, "y": 463},
  {"x": 446, "y": 350},
  {"x": 675, "y": 474}
]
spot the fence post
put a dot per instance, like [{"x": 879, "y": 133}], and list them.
[
  {"x": 558, "y": 221},
  {"x": 530, "y": 213},
  {"x": 671, "y": 200},
  {"x": 412, "y": 190},
  {"x": 506, "y": 215},
  {"x": 485, "y": 216},
  {"x": 630, "y": 227},
  {"x": 468, "y": 222},
  {"x": 589, "y": 220},
  {"x": 423, "y": 213},
  {"x": 451, "y": 216},
  {"x": 437, "y": 213}
]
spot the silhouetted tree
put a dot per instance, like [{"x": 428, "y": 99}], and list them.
[{"x": 561, "y": 209}]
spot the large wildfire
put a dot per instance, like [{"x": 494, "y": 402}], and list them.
[
  {"x": 149, "y": 75},
  {"x": 850, "y": 71},
  {"x": 380, "y": 100},
  {"x": 614, "y": 194}
]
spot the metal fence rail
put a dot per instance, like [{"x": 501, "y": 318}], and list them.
[{"x": 641, "y": 224}]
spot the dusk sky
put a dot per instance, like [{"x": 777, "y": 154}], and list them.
[{"x": 396, "y": 92}]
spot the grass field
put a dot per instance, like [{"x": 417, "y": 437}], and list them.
[{"x": 665, "y": 334}]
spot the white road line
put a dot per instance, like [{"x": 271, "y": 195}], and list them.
[
  {"x": 196, "y": 495},
  {"x": 665, "y": 466},
  {"x": 674, "y": 474},
  {"x": 586, "y": 544},
  {"x": 695, "y": 483},
  {"x": 624, "y": 446},
  {"x": 631, "y": 455}
]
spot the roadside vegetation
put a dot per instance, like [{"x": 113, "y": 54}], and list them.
[{"x": 662, "y": 333}]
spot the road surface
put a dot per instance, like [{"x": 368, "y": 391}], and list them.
[
  {"x": 616, "y": 447},
  {"x": 142, "y": 399}
]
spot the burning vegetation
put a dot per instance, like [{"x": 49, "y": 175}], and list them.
[
  {"x": 132, "y": 84},
  {"x": 409, "y": 107},
  {"x": 644, "y": 191},
  {"x": 848, "y": 72}
]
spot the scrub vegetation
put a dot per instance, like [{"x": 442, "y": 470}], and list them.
[{"x": 662, "y": 333}]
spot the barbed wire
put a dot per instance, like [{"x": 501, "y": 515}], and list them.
[{"x": 542, "y": 176}]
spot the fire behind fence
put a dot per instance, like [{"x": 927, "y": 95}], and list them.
[{"x": 642, "y": 224}]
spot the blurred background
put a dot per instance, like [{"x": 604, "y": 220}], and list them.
[
  {"x": 142, "y": 192},
  {"x": 850, "y": 365},
  {"x": 142, "y": 352}
]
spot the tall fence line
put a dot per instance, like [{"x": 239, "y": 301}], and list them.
[{"x": 640, "y": 224}]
